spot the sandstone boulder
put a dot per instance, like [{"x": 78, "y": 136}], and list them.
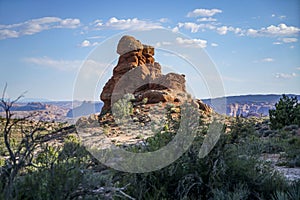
[{"x": 128, "y": 44}]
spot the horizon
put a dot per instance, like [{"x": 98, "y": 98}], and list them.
[
  {"x": 254, "y": 46},
  {"x": 38, "y": 100}
]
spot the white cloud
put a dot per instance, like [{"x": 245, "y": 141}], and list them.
[
  {"x": 206, "y": 19},
  {"x": 224, "y": 29},
  {"x": 69, "y": 23},
  {"x": 279, "y": 17},
  {"x": 190, "y": 26},
  {"x": 282, "y": 17},
  {"x": 97, "y": 23},
  {"x": 203, "y": 12},
  {"x": 252, "y": 32},
  {"x": 285, "y": 40},
  {"x": 126, "y": 24},
  {"x": 64, "y": 65},
  {"x": 96, "y": 37},
  {"x": 175, "y": 29},
  {"x": 285, "y": 76},
  {"x": 193, "y": 27},
  {"x": 87, "y": 43},
  {"x": 163, "y": 20},
  {"x": 267, "y": 60},
  {"x": 6, "y": 33},
  {"x": 197, "y": 43},
  {"x": 159, "y": 44},
  {"x": 289, "y": 40},
  {"x": 279, "y": 30},
  {"x": 34, "y": 26},
  {"x": 214, "y": 44}
]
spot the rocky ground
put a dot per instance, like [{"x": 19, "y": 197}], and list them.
[{"x": 144, "y": 122}]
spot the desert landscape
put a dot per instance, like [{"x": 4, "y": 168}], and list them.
[{"x": 200, "y": 102}]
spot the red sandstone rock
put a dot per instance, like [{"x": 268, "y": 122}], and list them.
[{"x": 138, "y": 73}]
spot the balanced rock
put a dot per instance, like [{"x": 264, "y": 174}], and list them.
[{"x": 137, "y": 73}]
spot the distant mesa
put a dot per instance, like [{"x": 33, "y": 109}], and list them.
[
  {"x": 137, "y": 73},
  {"x": 32, "y": 106},
  {"x": 250, "y": 105},
  {"x": 86, "y": 108}
]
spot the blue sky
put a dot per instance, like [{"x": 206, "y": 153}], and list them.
[{"x": 254, "y": 45}]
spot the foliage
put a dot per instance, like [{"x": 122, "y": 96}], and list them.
[
  {"x": 36, "y": 166},
  {"x": 287, "y": 112},
  {"x": 232, "y": 170},
  {"x": 291, "y": 193},
  {"x": 123, "y": 108}
]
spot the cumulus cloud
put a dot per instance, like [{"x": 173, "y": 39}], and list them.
[
  {"x": 34, "y": 26},
  {"x": 197, "y": 43},
  {"x": 206, "y": 19},
  {"x": 87, "y": 43},
  {"x": 285, "y": 76},
  {"x": 203, "y": 12},
  {"x": 127, "y": 24},
  {"x": 69, "y": 23},
  {"x": 64, "y": 65},
  {"x": 224, "y": 29},
  {"x": 267, "y": 60},
  {"x": 190, "y": 26},
  {"x": 194, "y": 28},
  {"x": 279, "y": 30},
  {"x": 214, "y": 44}
]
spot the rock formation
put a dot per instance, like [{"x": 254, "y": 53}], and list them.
[{"x": 138, "y": 73}]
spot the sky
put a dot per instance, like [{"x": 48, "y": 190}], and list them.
[{"x": 49, "y": 48}]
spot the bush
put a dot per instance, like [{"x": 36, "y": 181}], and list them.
[
  {"x": 287, "y": 112},
  {"x": 123, "y": 108},
  {"x": 230, "y": 171}
]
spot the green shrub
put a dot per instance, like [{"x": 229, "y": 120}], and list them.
[
  {"x": 291, "y": 193},
  {"x": 230, "y": 170},
  {"x": 123, "y": 108},
  {"x": 287, "y": 112}
]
